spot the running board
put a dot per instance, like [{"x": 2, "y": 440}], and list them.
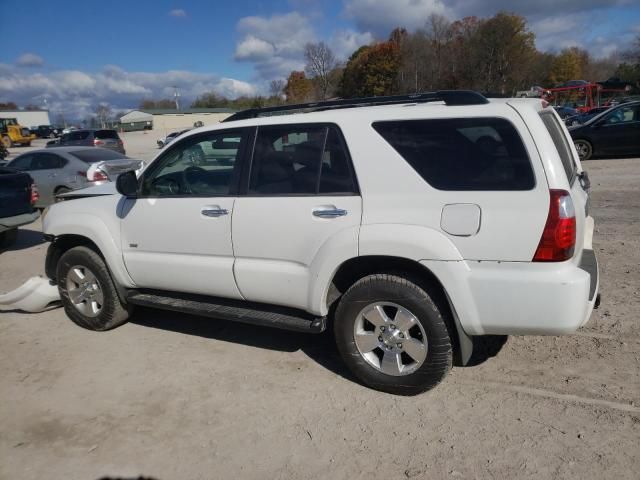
[{"x": 232, "y": 310}]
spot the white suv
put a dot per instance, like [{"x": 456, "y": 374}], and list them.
[{"x": 408, "y": 224}]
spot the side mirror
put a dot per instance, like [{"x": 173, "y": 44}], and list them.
[{"x": 127, "y": 184}]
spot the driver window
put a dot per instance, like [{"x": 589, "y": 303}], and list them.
[
  {"x": 202, "y": 165},
  {"x": 620, "y": 115}
]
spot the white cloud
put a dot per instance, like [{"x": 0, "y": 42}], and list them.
[
  {"x": 76, "y": 93},
  {"x": 274, "y": 44},
  {"x": 381, "y": 16},
  {"x": 344, "y": 42},
  {"x": 254, "y": 49},
  {"x": 30, "y": 60},
  {"x": 178, "y": 13}
]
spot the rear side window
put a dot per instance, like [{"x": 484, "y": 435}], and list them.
[
  {"x": 22, "y": 163},
  {"x": 106, "y": 134},
  {"x": 562, "y": 144},
  {"x": 462, "y": 153},
  {"x": 74, "y": 136},
  {"x": 300, "y": 160},
  {"x": 47, "y": 161},
  {"x": 96, "y": 155}
]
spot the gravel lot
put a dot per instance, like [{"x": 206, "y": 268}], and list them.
[{"x": 173, "y": 396}]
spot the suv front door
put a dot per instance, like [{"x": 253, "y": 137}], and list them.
[
  {"x": 299, "y": 196},
  {"x": 176, "y": 235}
]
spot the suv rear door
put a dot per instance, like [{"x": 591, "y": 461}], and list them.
[
  {"x": 107, "y": 139},
  {"x": 78, "y": 138},
  {"x": 299, "y": 195}
]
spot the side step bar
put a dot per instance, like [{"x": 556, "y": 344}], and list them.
[{"x": 237, "y": 311}]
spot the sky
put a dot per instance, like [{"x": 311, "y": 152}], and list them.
[{"x": 76, "y": 54}]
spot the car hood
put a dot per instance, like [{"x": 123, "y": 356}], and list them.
[{"x": 108, "y": 188}]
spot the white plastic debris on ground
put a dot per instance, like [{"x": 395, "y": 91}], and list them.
[{"x": 35, "y": 295}]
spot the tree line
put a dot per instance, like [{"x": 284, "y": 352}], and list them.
[{"x": 495, "y": 55}]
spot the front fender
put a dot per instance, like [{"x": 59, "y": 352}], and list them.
[{"x": 65, "y": 219}]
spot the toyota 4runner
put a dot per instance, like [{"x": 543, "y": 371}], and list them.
[{"x": 406, "y": 224}]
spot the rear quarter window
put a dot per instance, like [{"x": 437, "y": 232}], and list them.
[
  {"x": 74, "y": 136},
  {"x": 561, "y": 143},
  {"x": 462, "y": 153},
  {"x": 106, "y": 134},
  {"x": 94, "y": 155}
]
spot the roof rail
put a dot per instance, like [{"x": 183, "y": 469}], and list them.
[{"x": 449, "y": 97}]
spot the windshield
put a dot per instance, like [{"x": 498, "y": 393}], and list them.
[{"x": 93, "y": 155}]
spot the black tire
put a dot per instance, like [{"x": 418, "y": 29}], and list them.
[
  {"x": 112, "y": 313},
  {"x": 60, "y": 191},
  {"x": 409, "y": 295},
  {"x": 8, "y": 238},
  {"x": 584, "y": 148}
]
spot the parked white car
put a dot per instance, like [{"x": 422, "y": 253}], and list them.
[{"x": 411, "y": 226}]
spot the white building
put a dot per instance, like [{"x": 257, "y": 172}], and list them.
[
  {"x": 28, "y": 118},
  {"x": 169, "y": 120}
]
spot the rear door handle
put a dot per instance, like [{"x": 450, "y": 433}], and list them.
[
  {"x": 329, "y": 213},
  {"x": 214, "y": 211}
]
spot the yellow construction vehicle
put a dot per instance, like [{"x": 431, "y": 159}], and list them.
[{"x": 12, "y": 133}]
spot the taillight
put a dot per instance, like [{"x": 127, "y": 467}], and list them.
[
  {"x": 97, "y": 142},
  {"x": 559, "y": 236},
  {"x": 98, "y": 176},
  {"x": 82, "y": 174},
  {"x": 35, "y": 196}
]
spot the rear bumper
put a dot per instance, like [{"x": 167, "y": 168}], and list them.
[
  {"x": 521, "y": 298},
  {"x": 9, "y": 223}
]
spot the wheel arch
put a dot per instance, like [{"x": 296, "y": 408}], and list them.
[{"x": 352, "y": 270}]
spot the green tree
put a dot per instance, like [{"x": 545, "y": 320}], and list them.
[
  {"x": 567, "y": 66},
  {"x": 371, "y": 71},
  {"x": 299, "y": 88},
  {"x": 210, "y": 100},
  {"x": 150, "y": 104},
  {"x": 320, "y": 63},
  {"x": 504, "y": 48}
]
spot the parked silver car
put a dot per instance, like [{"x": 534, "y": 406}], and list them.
[
  {"x": 163, "y": 142},
  {"x": 105, "y": 138},
  {"x": 71, "y": 168}
]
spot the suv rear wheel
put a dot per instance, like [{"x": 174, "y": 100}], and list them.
[
  {"x": 87, "y": 291},
  {"x": 392, "y": 336}
]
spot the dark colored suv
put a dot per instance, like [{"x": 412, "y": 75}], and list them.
[{"x": 90, "y": 138}]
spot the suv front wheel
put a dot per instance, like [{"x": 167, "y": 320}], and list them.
[
  {"x": 87, "y": 291},
  {"x": 392, "y": 335}
]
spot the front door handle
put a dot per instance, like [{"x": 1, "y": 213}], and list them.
[
  {"x": 329, "y": 213},
  {"x": 214, "y": 211}
]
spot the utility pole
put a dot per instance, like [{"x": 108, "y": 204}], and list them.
[{"x": 176, "y": 96}]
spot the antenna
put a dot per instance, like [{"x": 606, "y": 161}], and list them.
[{"x": 176, "y": 96}]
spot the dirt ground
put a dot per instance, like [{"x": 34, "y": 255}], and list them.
[{"x": 171, "y": 396}]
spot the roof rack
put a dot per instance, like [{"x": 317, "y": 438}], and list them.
[{"x": 449, "y": 97}]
